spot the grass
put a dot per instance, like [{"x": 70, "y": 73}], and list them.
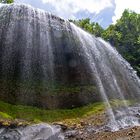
[
  {"x": 5, "y": 116},
  {"x": 68, "y": 116},
  {"x": 34, "y": 114}
]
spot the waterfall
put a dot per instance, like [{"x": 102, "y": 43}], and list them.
[
  {"x": 41, "y": 54},
  {"x": 107, "y": 65}
]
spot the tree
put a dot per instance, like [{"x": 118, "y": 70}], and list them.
[
  {"x": 124, "y": 35},
  {"x": 6, "y": 1},
  {"x": 91, "y": 27}
]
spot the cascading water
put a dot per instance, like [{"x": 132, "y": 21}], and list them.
[
  {"x": 34, "y": 132},
  {"x": 108, "y": 80},
  {"x": 103, "y": 60},
  {"x": 39, "y": 52}
]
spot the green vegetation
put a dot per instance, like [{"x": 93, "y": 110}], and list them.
[
  {"x": 71, "y": 89},
  {"x": 66, "y": 116},
  {"x": 51, "y": 88},
  {"x": 91, "y": 27},
  {"x": 34, "y": 114},
  {"x": 5, "y": 116},
  {"x": 6, "y": 1},
  {"x": 124, "y": 35}
]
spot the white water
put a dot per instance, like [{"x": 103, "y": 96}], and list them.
[
  {"x": 34, "y": 132},
  {"x": 96, "y": 54}
]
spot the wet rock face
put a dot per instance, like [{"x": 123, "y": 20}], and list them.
[
  {"x": 41, "y": 60},
  {"x": 48, "y": 62}
]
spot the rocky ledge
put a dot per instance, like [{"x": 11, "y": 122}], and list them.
[{"x": 22, "y": 130}]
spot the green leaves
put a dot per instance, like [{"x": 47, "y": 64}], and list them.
[
  {"x": 6, "y": 1},
  {"x": 124, "y": 35},
  {"x": 138, "y": 40},
  {"x": 91, "y": 27}
]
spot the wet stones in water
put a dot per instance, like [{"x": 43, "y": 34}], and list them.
[
  {"x": 9, "y": 134},
  {"x": 35, "y": 132},
  {"x": 71, "y": 133}
]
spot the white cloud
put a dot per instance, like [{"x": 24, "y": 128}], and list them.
[
  {"x": 67, "y": 8},
  {"x": 125, "y": 4}
]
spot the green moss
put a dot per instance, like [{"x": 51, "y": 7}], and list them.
[
  {"x": 72, "y": 89},
  {"x": 5, "y": 116},
  {"x": 44, "y": 87},
  {"x": 36, "y": 114}
]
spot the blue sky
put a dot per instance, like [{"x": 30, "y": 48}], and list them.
[{"x": 105, "y": 12}]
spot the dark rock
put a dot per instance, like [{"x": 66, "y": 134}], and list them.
[
  {"x": 13, "y": 125},
  {"x": 73, "y": 127},
  {"x": 83, "y": 123},
  {"x": 63, "y": 126},
  {"x": 131, "y": 133},
  {"x": 137, "y": 115},
  {"x": 107, "y": 129},
  {"x": 40, "y": 63},
  {"x": 71, "y": 133},
  {"x": 91, "y": 129}
]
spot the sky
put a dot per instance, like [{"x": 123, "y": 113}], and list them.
[{"x": 105, "y": 12}]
